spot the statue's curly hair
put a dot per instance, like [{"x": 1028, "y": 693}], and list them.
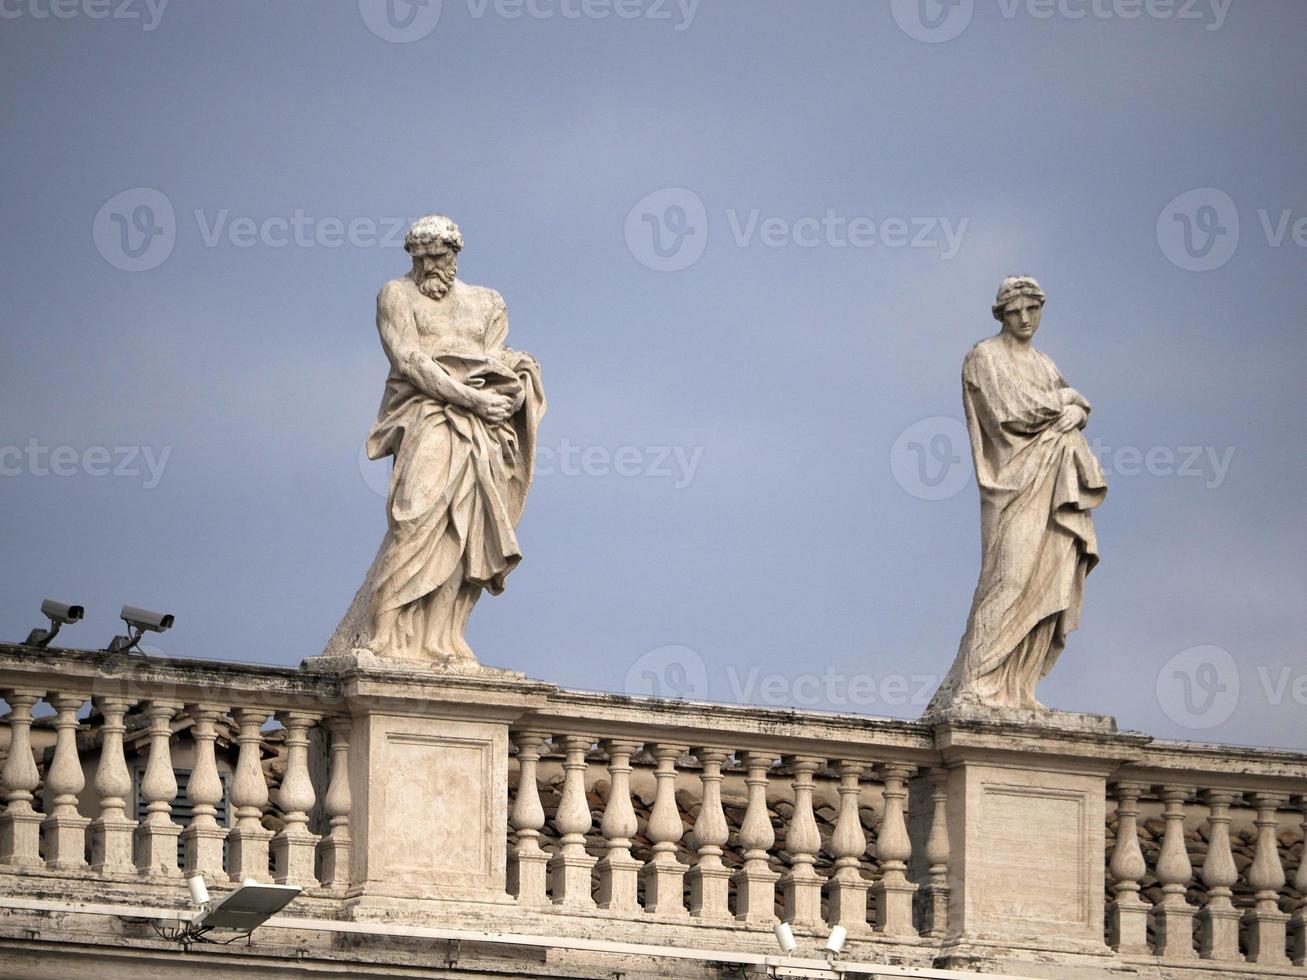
[{"x": 432, "y": 229}]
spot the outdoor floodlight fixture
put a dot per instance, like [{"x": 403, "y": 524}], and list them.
[
  {"x": 139, "y": 622},
  {"x": 835, "y": 941},
  {"x": 241, "y": 912},
  {"x": 245, "y": 909},
  {"x": 59, "y": 614},
  {"x": 785, "y": 937}
]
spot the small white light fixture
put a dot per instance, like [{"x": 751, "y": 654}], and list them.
[
  {"x": 199, "y": 892},
  {"x": 785, "y": 937},
  {"x": 835, "y": 941}
]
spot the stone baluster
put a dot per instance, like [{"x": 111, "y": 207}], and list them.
[
  {"x": 64, "y": 829},
  {"x": 1298, "y": 922},
  {"x": 202, "y": 838},
  {"x": 247, "y": 841},
  {"x": 112, "y": 830},
  {"x": 664, "y": 875},
  {"x": 1218, "y": 920},
  {"x": 1173, "y": 915},
  {"x": 569, "y": 868},
  {"x": 1127, "y": 913},
  {"x": 155, "y": 840},
  {"x": 848, "y": 844},
  {"x": 294, "y": 848},
  {"x": 801, "y": 885},
  {"x": 710, "y": 878},
  {"x": 20, "y": 825},
  {"x": 936, "y": 893},
  {"x": 1267, "y": 925},
  {"x": 618, "y": 870},
  {"x": 527, "y": 860},
  {"x": 893, "y": 892},
  {"x": 336, "y": 847},
  {"x": 755, "y": 882}
]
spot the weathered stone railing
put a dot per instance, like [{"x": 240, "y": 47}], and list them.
[{"x": 491, "y": 802}]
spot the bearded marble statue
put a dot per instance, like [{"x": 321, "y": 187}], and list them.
[
  {"x": 1039, "y": 483},
  {"x": 459, "y": 417}
]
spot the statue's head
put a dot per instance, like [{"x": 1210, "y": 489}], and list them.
[
  {"x": 1019, "y": 306},
  {"x": 434, "y": 242}
]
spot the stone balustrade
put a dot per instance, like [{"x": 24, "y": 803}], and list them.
[
  {"x": 496, "y": 802},
  {"x": 124, "y": 830}
]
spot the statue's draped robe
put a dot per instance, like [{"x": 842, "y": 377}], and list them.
[
  {"x": 458, "y": 484},
  {"x": 1037, "y": 488}
]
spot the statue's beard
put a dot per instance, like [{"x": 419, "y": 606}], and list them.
[{"x": 437, "y": 283}]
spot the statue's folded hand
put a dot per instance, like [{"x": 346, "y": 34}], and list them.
[
  {"x": 492, "y": 406},
  {"x": 1072, "y": 417}
]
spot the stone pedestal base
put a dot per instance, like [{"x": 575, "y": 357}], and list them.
[
  {"x": 155, "y": 848},
  {"x": 1267, "y": 936},
  {"x": 247, "y": 853},
  {"x": 202, "y": 851},
  {"x": 65, "y": 842},
  {"x": 893, "y": 901},
  {"x": 755, "y": 896},
  {"x": 801, "y": 897},
  {"x": 618, "y": 877},
  {"x": 526, "y": 875},
  {"x": 708, "y": 893},
  {"x": 1127, "y": 925},
  {"x": 1026, "y": 819},
  {"x": 1218, "y": 932},
  {"x": 569, "y": 880},
  {"x": 111, "y": 846},
  {"x": 847, "y": 901},
  {"x": 664, "y": 889},
  {"x": 428, "y": 773},
  {"x": 293, "y": 857},
  {"x": 20, "y": 836}
]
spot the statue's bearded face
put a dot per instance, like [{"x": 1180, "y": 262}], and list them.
[
  {"x": 1021, "y": 317},
  {"x": 434, "y": 268}
]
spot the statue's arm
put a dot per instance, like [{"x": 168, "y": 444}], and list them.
[{"x": 399, "y": 340}]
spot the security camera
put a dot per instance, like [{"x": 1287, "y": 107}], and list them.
[
  {"x": 59, "y": 614},
  {"x": 146, "y": 620},
  {"x": 139, "y": 622}
]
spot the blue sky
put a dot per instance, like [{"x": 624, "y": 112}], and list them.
[{"x": 752, "y": 487}]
